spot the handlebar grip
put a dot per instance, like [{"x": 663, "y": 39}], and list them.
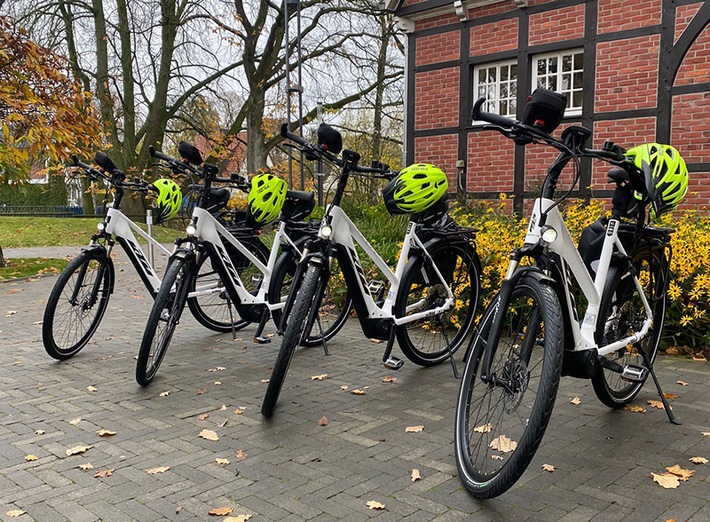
[{"x": 495, "y": 119}]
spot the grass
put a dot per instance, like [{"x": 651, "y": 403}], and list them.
[
  {"x": 16, "y": 232},
  {"x": 30, "y": 267}
]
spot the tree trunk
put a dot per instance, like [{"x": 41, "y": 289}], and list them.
[{"x": 2, "y": 258}]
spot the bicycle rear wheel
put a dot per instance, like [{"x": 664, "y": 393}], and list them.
[
  {"x": 502, "y": 413},
  {"x": 293, "y": 335},
  {"x": 164, "y": 318},
  {"x": 77, "y": 304},
  {"x": 432, "y": 339},
  {"x": 622, "y": 313},
  {"x": 210, "y": 303},
  {"x": 334, "y": 308}
]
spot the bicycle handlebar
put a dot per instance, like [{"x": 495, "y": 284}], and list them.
[
  {"x": 350, "y": 158},
  {"x": 117, "y": 177}
]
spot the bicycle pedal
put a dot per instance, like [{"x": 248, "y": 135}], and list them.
[
  {"x": 393, "y": 363},
  {"x": 262, "y": 340},
  {"x": 634, "y": 373}
]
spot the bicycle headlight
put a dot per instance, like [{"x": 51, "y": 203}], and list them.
[
  {"x": 191, "y": 230},
  {"x": 101, "y": 226},
  {"x": 326, "y": 231},
  {"x": 548, "y": 235}
]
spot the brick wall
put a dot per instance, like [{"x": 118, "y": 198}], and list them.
[{"x": 626, "y": 75}]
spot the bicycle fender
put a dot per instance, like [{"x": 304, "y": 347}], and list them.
[{"x": 96, "y": 250}]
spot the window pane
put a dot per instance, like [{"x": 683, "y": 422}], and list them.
[
  {"x": 541, "y": 67},
  {"x": 503, "y": 90},
  {"x": 577, "y": 82},
  {"x": 552, "y": 65},
  {"x": 579, "y": 61},
  {"x": 577, "y": 99},
  {"x": 481, "y": 76},
  {"x": 567, "y": 63},
  {"x": 503, "y": 108}
]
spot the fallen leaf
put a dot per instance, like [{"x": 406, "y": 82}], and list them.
[
  {"x": 76, "y": 421},
  {"x": 202, "y": 417},
  {"x": 655, "y": 404},
  {"x": 413, "y": 429},
  {"x": 37, "y": 322},
  {"x": 698, "y": 460},
  {"x": 684, "y": 474},
  {"x": 706, "y": 433},
  {"x": 240, "y": 455},
  {"x": 15, "y": 513},
  {"x": 221, "y": 462},
  {"x": 239, "y": 518},
  {"x": 39, "y": 432},
  {"x": 416, "y": 475},
  {"x": 105, "y": 433},
  {"x": 376, "y": 341},
  {"x": 323, "y": 421},
  {"x": 209, "y": 435},
  {"x": 223, "y": 423},
  {"x": 220, "y": 512},
  {"x": 503, "y": 444},
  {"x": 218, "y": 383},
  {"x": 576, "y": 401},
  {"x": 497, "y": 457},
  {"x": 161, "y": 469},
  {"x": 201, "y": 392},
  {"x": 104, "y": 473},
  {"x": 389, "y": 378},
  {"x": 223, "y": 408},
  {"x": 483, "y": 428},
  {"x": 76, "y": 450},
  {"x": 86, "y": 467},
  {"x": 700, "y": 357},
  {"x": 666, "y": 480},
  {"x": 264, "y": 381},
  {"x": 165, "y": 394},
  {"x": 670, "y": 396},
  {"x": 344, "y": 387},
  {"x": 373, "y": 504},
  {"x": 30, "y": 458},
  {"x": 357, "y": 391},
  {"x": 178, "y": 509},
  {"x": 321, "y": 377},
  {"x": 548, "y": 467},
  {"x": 682, "y": 383},
  {"x": 91, "y": 388},
  {"x": 239, "y": 410},
  {"x": 635, "y": 408},
  {"x": 10, "y": 312}
]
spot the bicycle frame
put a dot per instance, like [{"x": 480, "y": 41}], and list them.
[
  {"x": 346, "y": 233},
  {"x": 210, "y": 232},
  {"x": 592, "y": 288},
  {"x": 121, "y": 227}
]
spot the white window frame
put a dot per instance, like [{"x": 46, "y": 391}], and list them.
[
  {"x": 562, "y": 81},
  {"x": 492, "y": 89}
]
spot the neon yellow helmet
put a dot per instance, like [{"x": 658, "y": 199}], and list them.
[
  {"x": 415, "y": 189},
  {"x": 169, "y": 199},
  {"x": 266, "y": 197},
  {"x": 665, "y": 173}
]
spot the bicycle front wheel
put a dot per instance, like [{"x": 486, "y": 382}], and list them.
[
  {"x": 334, "y": 308},
  {"x": 430, "y": 340},
  {"x": 508, "y": 389},
  {"x": 295, "y": 331},
  {"x": 209, "y": 301},
  {"x": 622, "y": 313},
  {"x": 77, "y": 304},
  {"x": 163, "y": 319}
]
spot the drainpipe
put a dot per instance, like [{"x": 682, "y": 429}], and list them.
[{"x": 407, "y": 27}]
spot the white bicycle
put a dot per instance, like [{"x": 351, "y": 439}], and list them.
[
  {"x": 429, "y": 300},
  {"x": 80, "y": 297},
  {"x": 230, "y": 268},
  {"x": 533, "y": 331}
]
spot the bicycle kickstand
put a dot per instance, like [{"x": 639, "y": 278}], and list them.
[
  {"x": 448, "y": 348},
  {"x": 391, "y": 362},
  {"x": 258, "y": 337},
  {"x": 322, "y": 336},
  {"x": 666, "y": 406}
]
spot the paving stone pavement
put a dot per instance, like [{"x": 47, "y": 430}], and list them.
[{"x": 296, "y": 469}]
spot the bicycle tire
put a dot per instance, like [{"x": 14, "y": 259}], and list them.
[
  {"x": 163, "y": 318},
  {"x": 71, "y": 320},
  {"x": 335, "y": 306},
  {"x": 499, "y": 424},
  {"x": 213, "y": 310},
  {"x": 425, "y": 342},
  {"x": 292, "y": 336},
  {"x": 620, "y": 312}
]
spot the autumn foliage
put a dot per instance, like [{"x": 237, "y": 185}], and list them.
[{"x": 44, "y": 113}]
